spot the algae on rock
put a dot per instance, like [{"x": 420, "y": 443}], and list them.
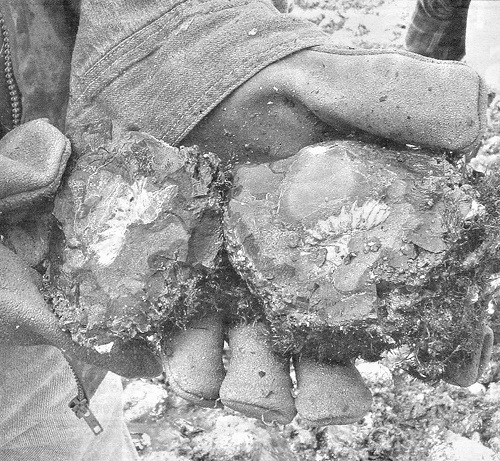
[
  {"x": 345, "y": 249},
  {"x": 355, "y": 249},
  {"x": 140, "y": 234}
]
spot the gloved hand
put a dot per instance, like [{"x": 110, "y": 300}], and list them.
[
  {"x": 337, "y": 241},
  {"x": 166, "y": 73},
  {"x": 33, "y": 157},
  {"x": 306, "y": 98}
]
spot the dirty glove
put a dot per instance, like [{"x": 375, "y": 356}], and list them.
[
  {"x": 163, "y": 69},
  {"x": 32, "y": 161},
  {"x": 33, "y": 157}
]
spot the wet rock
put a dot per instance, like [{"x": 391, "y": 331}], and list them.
[
  {"x": 493, "y": 393},
  {"x": 457, "y": 448},
  {"x": 304, "y": 438},
  {"x": 234, "y": 437},
  {"x": 375, "y": 374},
  {"x": 369, "y": 228},
  {"x": 141, "y": 441},
  {"x": 477, "y": 389},
  {"x": 339, "y": 245},
  {"x": 141, "y": 227},
  {"x": 143, "y": 399},
  {"x": 494, "y": 444},
  {"x": 345, "y": 442}
]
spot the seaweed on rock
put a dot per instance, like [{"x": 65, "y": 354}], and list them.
[
  {"x": 356, "y": 249},
  {"x": 345, "y": 249},
  {"x": 139, "y": 240}
]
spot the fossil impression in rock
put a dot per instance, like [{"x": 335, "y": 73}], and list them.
[
  {"x": 354, "y": 249},
  {"x": 140, "y": 226},
  {"x": 344, "y": 249}
]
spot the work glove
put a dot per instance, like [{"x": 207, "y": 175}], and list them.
[
  {"x": 347, "y": 247},
  {"x": 251, "y": 86},
  {"x": 33, "y": 157}
]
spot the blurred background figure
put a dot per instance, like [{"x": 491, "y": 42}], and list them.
[
  {"x": 483, "y": 40},
  {"x": 452, "y": 29}
]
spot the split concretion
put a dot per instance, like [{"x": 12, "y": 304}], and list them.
[{"x": 344, "y": 249}]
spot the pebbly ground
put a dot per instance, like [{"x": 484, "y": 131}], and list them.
[{"x": 409, "y": 420}]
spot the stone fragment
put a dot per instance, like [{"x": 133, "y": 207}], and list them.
[
  {"x": 458, "y": 448},
  {"x": 346, "y": 246},
  {"x": 141, "y": 229},
  {"x": 477, "y": 389},
  {"x": 234, "y": 437},
  {"x": 493, "y": 393},
  {"x": 337, "y": 199},
  {"x": 375, "y": 374},
  {"x": 142, "y": 399}
]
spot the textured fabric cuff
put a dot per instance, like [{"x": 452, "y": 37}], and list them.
[{"x": 162, "y": 67}]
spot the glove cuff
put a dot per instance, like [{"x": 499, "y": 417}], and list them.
[{"x": 163, "y": 66}]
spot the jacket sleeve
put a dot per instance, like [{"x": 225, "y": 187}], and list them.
[{"x": 162, "y": 66}]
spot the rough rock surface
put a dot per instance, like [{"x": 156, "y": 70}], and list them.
[
  {"x": 346, "y": 244},
  {"x": 345, "y": 247},
  {"x": 141, "y": 229},
  {"x": 457, "y": 448}
]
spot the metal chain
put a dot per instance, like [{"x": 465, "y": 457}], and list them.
[{"x": 15, "y": 98}]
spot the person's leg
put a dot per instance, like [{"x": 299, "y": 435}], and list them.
[
  {"x": 36, "y": 422},
  {"x": 438, "y": 28},
  {"x": 41, "y": 36}
]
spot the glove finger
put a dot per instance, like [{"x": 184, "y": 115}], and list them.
[
  {"x": 193, "y": 361},
  {"x": 32, "y": 161},
  {"x": 131, "y": 359},
  {"x": 258, "y": 382},
  {"x": 467, "y": 371},
  {"x": 134, "y": 358},
  {"x": 396, "y": 95},
  {"x": 330, "y": 394},
  {"x": 32, "y": 324},
  {"x": 299, "y": 101}
]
